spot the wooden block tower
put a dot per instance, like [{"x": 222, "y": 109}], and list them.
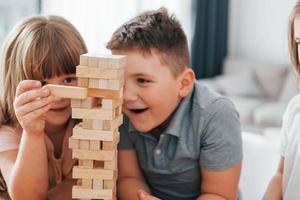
[{"x": 94, "y": 140}]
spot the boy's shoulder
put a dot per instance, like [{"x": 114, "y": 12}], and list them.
[{"x": 208, "y": 100}]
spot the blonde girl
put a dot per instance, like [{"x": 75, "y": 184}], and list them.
[
  {"x": 35, "y": 161},
  {"x": 286, "y": 181}
]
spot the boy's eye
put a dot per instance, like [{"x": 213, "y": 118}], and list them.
[
  {"x": 70, "y": 80},
  {"x": 142, "y": 81}
]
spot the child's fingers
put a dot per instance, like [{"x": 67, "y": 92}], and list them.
[
  {"x": 26, "y": 85},
  {"x": 31, "y": 95},
  {"x": 142, "y": 195},
  {"x": 30, "y": 117},
  {"x": 25, "y": 109}
]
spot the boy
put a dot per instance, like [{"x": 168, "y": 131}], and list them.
[{"x": 180, "y": 140}]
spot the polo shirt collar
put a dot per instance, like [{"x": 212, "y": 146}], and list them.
[{"x": 181, "y": 112}]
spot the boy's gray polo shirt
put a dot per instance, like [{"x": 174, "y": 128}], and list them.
[{"x": 203, "y": 132}]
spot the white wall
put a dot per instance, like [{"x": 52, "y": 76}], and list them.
[
  {"x": 13, "y": 11},
  {"x": 258, "y": 29},
  {"x": 96, "y": 20}
]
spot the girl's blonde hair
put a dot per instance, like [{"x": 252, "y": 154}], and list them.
[
  {"x": 38, "y": 48},
  {"x": 293, "y": 46}
]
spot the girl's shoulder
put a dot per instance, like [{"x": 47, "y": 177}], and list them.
[
  {"x": 9, "y": 138},
  {"x": 293, "y": 106}
]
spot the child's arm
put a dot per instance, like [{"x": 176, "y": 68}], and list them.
[
  {"x": 130, "y": 177},
  {"x": 274, "y": 190},
  {"x": 220, "y": 185},
  {"x": 26, "y": 171},
  {"x": 62, "y": 191}
]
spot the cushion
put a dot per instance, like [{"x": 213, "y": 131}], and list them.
[
  {"x": 259, "y": 165},
  {"x": 271, "y": 78},
  {"x": 269, "y": 114},
  {"x": 245, "y": 106},
  {"x": 240, "y": 83},
  {"x": 290, "y": 88},
  {"x": 234, "y": 64}
]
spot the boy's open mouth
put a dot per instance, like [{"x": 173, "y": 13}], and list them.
[{"x": 138, "y": 111}]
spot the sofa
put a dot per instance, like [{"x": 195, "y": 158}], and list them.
[
  {"x": 261, "y": 158},
  {"x": 260, "y": 91}
]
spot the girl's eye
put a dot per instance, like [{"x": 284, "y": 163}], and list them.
[
  {"x": 43, "y": 83},
  {"x": 70, "y": 80}
]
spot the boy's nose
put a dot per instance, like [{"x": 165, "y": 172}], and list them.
[{"x": 129, "y": 93}]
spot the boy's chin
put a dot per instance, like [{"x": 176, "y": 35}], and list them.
[{"x": 142, "y": 128}]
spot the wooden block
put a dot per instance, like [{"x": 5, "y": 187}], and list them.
[
  {"x": 98, "y": 73},
  {"x": 116, "y": 84},
  {"x": 105, "y": 93},
  {"x": 103, "y": 125},
  {"x": 111, "y": 125},
  {"x": 92, "y": 60},
  {"x": 83, "y": 59},
  {"x": 112, "y": 165},
  {"x": 87, "y": 183},
  {"x": 80, "y": 193},
  {"x": 107, "y": 145},
  {"x": 97, "y": 184},
  {"x": 90, "y": 102},
  {"x": 87, "y": 123},
  {"x": 95, "y": 145},
  {"x": 67, "y": 91},
  {"x": 75, "y": 103},
  {"x": 93, "y": 135},
  {"x": 93, "y": 124},
  {"x": 85, "y": 173},
  {"x": 84, "y": 144},
  {"x": 112, "y": 61},
  {"x": 93, "y": 83},
  {"x": 93, "y": 155},
  {"x": 89, "y": 164},
  {"x": 83, "y": 82},
  {"x": 93, "y": 113},
  {"x": 109, "y": 184},
  {"x": 118, "y": 110},
  {"x": 73, "y": 143},
  {"x": 98, "y": 83},
  {"x": 111, "y": 103}
]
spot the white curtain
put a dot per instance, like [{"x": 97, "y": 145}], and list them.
[{"x": 96, "y": 20}]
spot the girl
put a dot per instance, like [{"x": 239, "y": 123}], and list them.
[
  {"x": 35, "y": 160},
  {"x": 285, "y": 183}
]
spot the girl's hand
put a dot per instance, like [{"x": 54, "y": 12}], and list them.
[
  {"x": 31, "y": 103},
  {"x": 142, "y": 195}
]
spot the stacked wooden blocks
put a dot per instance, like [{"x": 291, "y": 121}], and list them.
[{"x": 94, "y": 140}]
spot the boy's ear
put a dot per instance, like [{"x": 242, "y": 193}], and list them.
[{"x": 187, "y": 80}]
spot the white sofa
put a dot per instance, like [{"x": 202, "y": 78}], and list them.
[
  {"x": 261, "y": 157},
  {"x": 260, "y": 91}
]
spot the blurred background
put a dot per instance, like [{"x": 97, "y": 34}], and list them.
[{"x": 238, "y": 48}]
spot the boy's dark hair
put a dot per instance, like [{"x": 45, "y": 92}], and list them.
[{"x": 154, "y": 30}]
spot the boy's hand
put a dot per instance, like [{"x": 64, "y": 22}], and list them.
[
  {"x": 31, "y": 103},
  {"x": 142, "y": 195}
]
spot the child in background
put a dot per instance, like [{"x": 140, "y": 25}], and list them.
[
  {"x": 286, "y": 181},
  {"x": 35, "y": 160},
  {"x": 180, "y": 140}
]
